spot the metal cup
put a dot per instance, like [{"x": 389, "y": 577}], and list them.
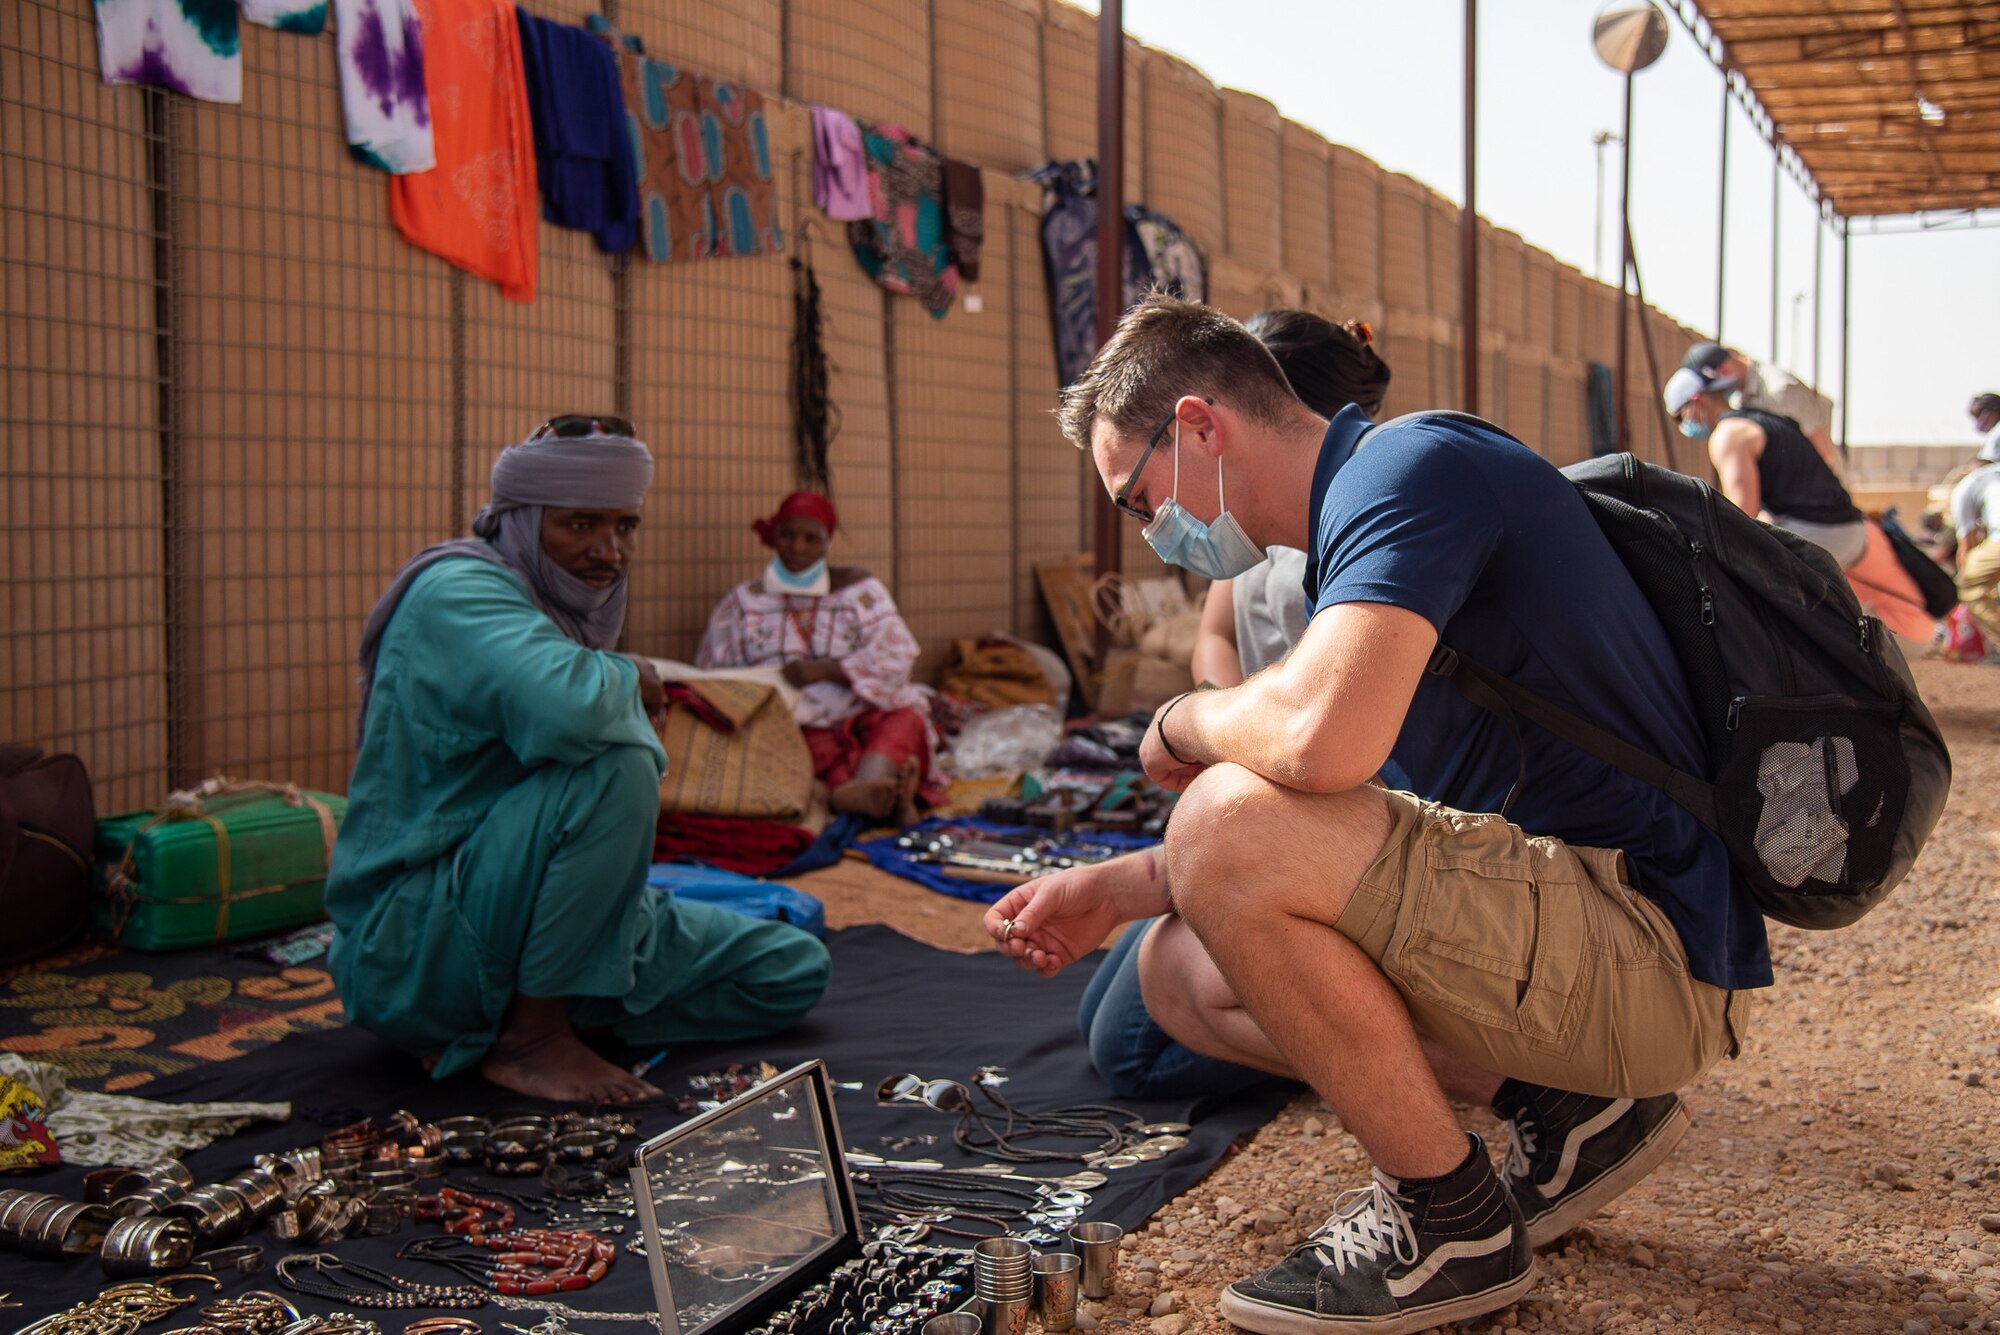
[
  {"x": 1097, "y": 1245},
  {"x": 953, "y": 1323},
  {"x": 1006, "y": 1318},
  {"x": 1056, "y": 1275}
]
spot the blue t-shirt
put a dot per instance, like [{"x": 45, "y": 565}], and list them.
[{"x": 1484, "y": 539}]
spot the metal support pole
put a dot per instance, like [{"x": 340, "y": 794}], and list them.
[
  {"x": 1625, "y": 275},
  {"x": 1776, "y": 180},
  {"x": 1819, "y": 251},
  {"x": 1846, "y": 312},
  {"x": 1668, "y": 431},
  {"x": 1110, "y": 240},
  {"x": 1722, "y": 211},
  {"x": 177, "y": 574},
  {"x": 1468, "y": 221}
]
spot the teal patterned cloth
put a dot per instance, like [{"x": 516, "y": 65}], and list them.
[{"x": 301, "y": 16}]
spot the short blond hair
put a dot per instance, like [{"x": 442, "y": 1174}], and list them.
[{"x": 1164, "y": 348}]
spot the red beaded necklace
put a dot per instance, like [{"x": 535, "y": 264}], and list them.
[{"x": 530, "y": 1262}]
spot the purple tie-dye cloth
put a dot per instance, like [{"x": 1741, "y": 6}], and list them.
[
  {"x": 382, "y": 90},
  {"x": 190, "y": 46}
]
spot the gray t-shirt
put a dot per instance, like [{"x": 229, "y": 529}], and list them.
[{"x": 1270, "y": 602}]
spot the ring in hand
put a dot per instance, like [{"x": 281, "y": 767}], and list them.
[{"x": 1007, "y": 932}]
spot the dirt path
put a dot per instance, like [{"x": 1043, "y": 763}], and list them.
[{"x": 1837, "y": 1174}]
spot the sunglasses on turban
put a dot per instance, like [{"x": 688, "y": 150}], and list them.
[{"x": 573, "y": 425}]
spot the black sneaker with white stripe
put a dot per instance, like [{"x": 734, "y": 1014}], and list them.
[
  {"x": 1570, "y": 1155},
  {"x": 1397, "y": 1257}
]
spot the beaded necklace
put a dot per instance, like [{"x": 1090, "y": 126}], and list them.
[{"x": 362, "y": 1285}]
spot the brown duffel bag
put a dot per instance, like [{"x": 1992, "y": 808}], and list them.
[{"x": 47, "y": 822}]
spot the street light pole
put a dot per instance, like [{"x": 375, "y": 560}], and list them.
[
  {"x": 1601, "y": 138},
  {"x": 1625, "y": 273}
]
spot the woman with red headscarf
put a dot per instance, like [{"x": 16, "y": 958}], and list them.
[{"x": 836, "y": 633}]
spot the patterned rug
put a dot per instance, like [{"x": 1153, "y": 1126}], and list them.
[{"x": 116, "y": 1020}]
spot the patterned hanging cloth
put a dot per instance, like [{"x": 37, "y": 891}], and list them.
[
  {"x": 705, "y": 187},
  {"x": 906, "y": 246},
  {"x": 190, "y": 46},
  {"x": 383, "y": 93}
]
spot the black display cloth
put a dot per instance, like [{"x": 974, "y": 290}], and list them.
[{"x": 895, "y": 1005}]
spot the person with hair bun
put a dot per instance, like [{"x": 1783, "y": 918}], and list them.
[{"x": 1249, "y": 623}]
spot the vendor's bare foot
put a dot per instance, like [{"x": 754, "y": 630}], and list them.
[
  {"x": 909, "y": 775},
  {"x": 560, "y": 1068},
  {"x": 539, "y": 1054},
  {"x": 873, "y": 797}
]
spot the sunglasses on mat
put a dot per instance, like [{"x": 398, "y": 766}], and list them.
[
  {"x": 943, "y": 1095},
  {"x": 574, "y": 425}
]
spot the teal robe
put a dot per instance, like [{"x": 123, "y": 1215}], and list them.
[{"x": 498, "y": 833}]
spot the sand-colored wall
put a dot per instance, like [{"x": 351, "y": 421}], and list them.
[{"x": 237, "y": 400}]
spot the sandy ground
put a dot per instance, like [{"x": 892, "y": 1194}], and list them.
[{"x": 1842, "y": 1176}]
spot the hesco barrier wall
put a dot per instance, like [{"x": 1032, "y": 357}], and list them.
[{"x": 235, "y": 400}]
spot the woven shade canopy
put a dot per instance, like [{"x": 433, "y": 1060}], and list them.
[{"x": 1893, "y": 106}]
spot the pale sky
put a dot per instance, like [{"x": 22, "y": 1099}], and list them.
[{"x": 1385, "y": 78}]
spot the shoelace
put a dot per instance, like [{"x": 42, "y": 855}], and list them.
[
  {"x": 1366, "y": 1222},
  {"x": 1521, "y": 1142}
]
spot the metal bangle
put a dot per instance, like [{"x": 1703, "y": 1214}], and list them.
[
  {"x": 16, "y": 1209},
  {"x": 76, "y": 1229},
  {"x": 444, "y": 1325},
  {"x": 146, "y": 1245},
  {"x": 246, "y": 1257},
  {"x": 585, "y": 1146}
]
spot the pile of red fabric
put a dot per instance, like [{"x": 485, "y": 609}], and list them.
[{"x": 752, "y": 847}]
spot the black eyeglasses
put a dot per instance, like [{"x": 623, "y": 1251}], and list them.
[
  {"x": 571, "y": 424},
  {"x": 1123, "y": 500}
]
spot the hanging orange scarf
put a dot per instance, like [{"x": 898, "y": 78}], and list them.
[{"x": 477, "y": 207}]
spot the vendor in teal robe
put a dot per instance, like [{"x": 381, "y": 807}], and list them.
[{"x": 489, "y": 883}]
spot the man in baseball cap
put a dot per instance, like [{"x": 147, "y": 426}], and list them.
[{"x": 1767, "y": 388}]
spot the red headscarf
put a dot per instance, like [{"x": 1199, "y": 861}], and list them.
[{"x": 798, "y": 505}]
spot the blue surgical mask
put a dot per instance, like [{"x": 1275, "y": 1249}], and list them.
[
  {"x": 812, "y": 582},
  {"x": 1221, "y": 550},
  {"x": 1694, "y": 430}
]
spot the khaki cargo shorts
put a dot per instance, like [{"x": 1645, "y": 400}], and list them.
[{"x": 1533, "y": 959}]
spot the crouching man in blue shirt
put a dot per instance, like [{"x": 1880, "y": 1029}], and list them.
[{"x": 1399, "y": 946}]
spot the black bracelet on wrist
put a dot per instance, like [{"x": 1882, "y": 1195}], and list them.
[{"x": 1160, "y": 724}]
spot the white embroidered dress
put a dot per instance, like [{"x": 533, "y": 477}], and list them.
[{"x": 856, "y": 626}]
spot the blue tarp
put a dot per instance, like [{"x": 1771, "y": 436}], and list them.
[
  {"x": 740, "y": 894},
  {"x": 886, "y": 854}
]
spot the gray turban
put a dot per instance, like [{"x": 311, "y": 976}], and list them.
[{"x": 595, "y": 472}]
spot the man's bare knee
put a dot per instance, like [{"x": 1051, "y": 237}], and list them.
[
  {"x": 1217, "y": 824},
  {"x": 1241, "y": 844}
]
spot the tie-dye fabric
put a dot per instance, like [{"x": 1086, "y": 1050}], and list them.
[
  {"x": 300, "y": 16},
  {"x": 703, "y": 156},
  {"x": 906, "y": 246},
  {"x": 382, "y": 92},
  {"x": 190, "y": 46},
  {"x": 477, "y": 207}
]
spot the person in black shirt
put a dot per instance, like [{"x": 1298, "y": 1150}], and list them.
[{"x": 1765, "y": 465}]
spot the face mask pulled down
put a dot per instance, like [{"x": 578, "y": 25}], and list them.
[{"x": 1220, "y": 550}]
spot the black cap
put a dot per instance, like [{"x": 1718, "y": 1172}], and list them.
[{"x": 1705, "y": 357}]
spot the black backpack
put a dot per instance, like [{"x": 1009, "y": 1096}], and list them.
[{"x": 1827, "y": 773}]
